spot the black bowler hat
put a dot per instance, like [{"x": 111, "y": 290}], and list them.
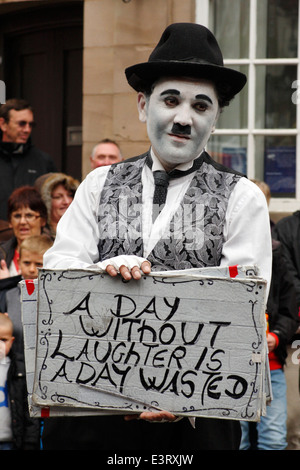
[{"x": 190, "y": 50}]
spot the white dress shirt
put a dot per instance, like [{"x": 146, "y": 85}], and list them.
[{"x": 247, "y": 238}]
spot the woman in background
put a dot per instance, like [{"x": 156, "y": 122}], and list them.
[
  {"x": 57, "y": 192},
  {"x": 27, "y": 216}
]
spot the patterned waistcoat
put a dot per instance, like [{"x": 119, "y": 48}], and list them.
[{"x": 194, "y": 236}]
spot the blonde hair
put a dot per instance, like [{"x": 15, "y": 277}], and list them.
[
  {"x": 264, "y": 187},
  {"x": 5, "y": 322},
  {"x": 37, "y": 244}
]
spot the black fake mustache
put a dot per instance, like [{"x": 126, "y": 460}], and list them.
[{"x": 178, "y": 129}]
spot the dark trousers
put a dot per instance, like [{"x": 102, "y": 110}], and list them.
[{"x": 113, "y": 433}]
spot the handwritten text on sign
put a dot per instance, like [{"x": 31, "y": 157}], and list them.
[{"x": 182, "y": 344}]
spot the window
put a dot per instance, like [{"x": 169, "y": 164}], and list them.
[{"x": 258, "y": 133}]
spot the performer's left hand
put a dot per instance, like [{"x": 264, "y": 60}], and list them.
[{"x": 128, "y": 266}]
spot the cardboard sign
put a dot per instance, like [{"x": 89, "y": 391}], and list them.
[{"x": 191, "y": 342}]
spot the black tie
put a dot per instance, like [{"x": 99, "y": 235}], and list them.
[{"x": 161, "y": 180}]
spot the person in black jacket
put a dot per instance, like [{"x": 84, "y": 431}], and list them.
[
  {"x": 287, "y": 231},
  {"x": 17, "y": 430},
  {"x": 21, "y": 163}
]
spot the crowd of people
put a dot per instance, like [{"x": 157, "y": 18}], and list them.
[
  {"x": 181, "y": 91},
  {"x": 33, "y": 198}
]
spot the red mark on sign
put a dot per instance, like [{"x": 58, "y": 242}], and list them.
[
  {"x": 30, "y": 286},
  {"x": 233, "y": 271},
  {"x": 45, "y": 412}
]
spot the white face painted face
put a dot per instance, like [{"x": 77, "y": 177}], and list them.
[{"x": 180, "y": 116}]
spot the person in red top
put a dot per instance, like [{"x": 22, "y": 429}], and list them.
[{"x": 282, "y": 315}]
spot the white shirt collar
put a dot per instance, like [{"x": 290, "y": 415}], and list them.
[{"x": 158, "y": 166}]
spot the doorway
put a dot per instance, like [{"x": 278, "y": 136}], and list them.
[{"x": 42, "y": 50}]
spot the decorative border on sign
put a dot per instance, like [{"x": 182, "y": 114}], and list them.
[{"x": 59, "y": 398}]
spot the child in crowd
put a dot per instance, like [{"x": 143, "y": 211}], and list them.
[
  {"x": 17, "y": 430},
  {"x": 31, "y": 253}
]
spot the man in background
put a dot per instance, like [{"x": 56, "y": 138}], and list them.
[
  {"x": 20, "y": 162},
  {"x": 105, "y": 153}
]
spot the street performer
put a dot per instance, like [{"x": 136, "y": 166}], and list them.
[{"x": 125, "y": 218}]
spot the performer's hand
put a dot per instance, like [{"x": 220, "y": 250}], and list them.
[
  {"x": 154, "y": 416},
  {"x": 127, "y": 273},
  {"x": 128, "y": 266}
]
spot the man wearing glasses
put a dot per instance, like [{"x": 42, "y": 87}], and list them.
[{"x": 20, "y": 162}]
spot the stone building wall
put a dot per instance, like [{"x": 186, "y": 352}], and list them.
[{"x": 117, "y": 34}]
